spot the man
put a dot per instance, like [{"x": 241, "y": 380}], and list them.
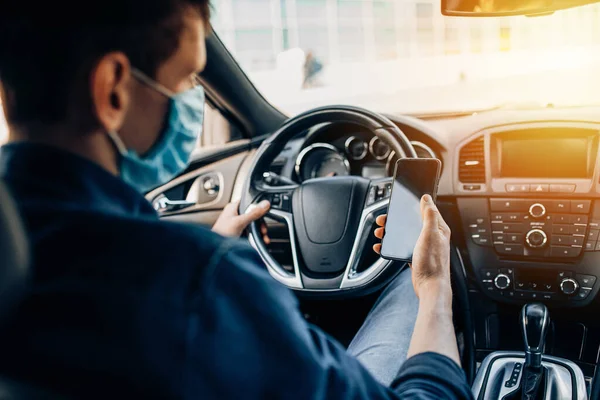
[{"x": 101, "y": 106}]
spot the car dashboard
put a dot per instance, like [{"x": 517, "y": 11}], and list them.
[{"x": 520, "y": 190}]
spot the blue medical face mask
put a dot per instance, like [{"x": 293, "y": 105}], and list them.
[{"x": 170, "y": 155}]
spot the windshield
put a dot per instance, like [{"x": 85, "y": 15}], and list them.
[{"x": 403, "y": 56}]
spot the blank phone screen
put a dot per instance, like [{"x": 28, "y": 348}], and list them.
[{"x": 413, "y": 178}]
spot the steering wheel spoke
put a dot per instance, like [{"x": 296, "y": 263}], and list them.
[
  {"x": 281, "y": 210},
  {"x": 376, "y": 204}
]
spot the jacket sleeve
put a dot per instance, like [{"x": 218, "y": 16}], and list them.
[{"x": 247, "y": 339}]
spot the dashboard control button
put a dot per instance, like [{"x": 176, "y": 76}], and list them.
[
  {"x": 498, "y": 238},
  {"x": 498, "y": 216},
  {"x": 561, "y": 229},
  {"x": 511, "y": 227},
  {"x": 510, "y": 249},
  {"x": 509, "y": 293},
  {"x": 536, "y": 238},
  {"x": 597, "y": 245},
  {"x": 488, "y": 274},
  {"x": 577, "y": 241},
  {"x": 590, "y": 246},
  {"x": 489, "y": 287},
  {"x": 522, "y": 295},
  {"x": 578, "y": 230},
  {"x": 561, "y": 219},
  {"x": 595, "y": 224},
  {"x": 562, "y": 240},
  {"x": 507, "y": 205},
  {"x": 539, "y": 188},
  {"x": 533, "y": 286},
  {"x": 548, "y": 287},
  {"x": 569, "y": 286},
  {"x": 535, "y": 296},
  {"x": 537, "y": 210},
  {"x": 482, "y": 240},
  {"x": 502, "y": 281},
  {"x": 479, "y": 229},
  {"x": 564, "y": 252},
  {"x": 471, "y": 187},
  {"x": 583, "y": 293},
  {"x": 565, "y": 274},
  {"x": 567, "y": 188},
  {"x": 513, "y": 238},
  {"x": 517, "y": 188},
  {"x": 580, "y": 206},
  {"x": 579, "y": 219},
  {"x": 586, "y": 281},
  {"x": 547, "y": 296},
  {"x": 561, "y": 206}
]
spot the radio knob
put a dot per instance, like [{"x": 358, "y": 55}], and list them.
[
  {"x": 569, "y": 286},
  {"x": 502, "y": 281},
  {"x": 537, "y": 210},
  {"x": 536, "y": 238}
]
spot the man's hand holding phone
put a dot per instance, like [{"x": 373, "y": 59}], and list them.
[
  {"x": 431, "y": 258},
  {"x": 434, "y": 329}
]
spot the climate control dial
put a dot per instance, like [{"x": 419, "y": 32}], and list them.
[
  {"x": 536, "y": 238},
  {"x": 569, "y": 286},
  {"x": 502, "y": 281}
]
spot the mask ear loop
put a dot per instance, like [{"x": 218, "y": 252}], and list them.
[
  {"x": 121, "y": 148},
  {"x": 151, "y": 83}
]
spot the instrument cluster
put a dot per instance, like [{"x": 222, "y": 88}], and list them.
[{"x": 354, "y": 154}]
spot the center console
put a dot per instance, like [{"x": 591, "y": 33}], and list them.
[
  {"x": 532, "y": 219},
  {"x": 529, "y": 375}
]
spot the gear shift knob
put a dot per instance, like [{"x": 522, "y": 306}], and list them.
[{"x": 534, "y": 323}]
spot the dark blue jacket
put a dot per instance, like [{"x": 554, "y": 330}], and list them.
[{"x": 124, "y": 305}]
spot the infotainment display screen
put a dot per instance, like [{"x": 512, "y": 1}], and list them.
[{"x": 544, "y": 158}]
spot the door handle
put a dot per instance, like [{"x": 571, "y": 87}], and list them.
[{"x": 163, "y": 204}]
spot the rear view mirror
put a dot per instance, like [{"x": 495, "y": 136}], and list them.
[{"x": 499, "y": 8}]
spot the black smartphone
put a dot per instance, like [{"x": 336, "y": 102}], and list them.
[{"x": 413, "y": 178}]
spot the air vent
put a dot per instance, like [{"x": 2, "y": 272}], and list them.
[{"x": 472, "y": 163}]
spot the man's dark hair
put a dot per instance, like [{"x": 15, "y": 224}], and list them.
[{"x": 48, "y": 48}]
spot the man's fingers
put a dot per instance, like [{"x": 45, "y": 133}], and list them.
[
  {"x": 429, "y": 211},
  {"x": 263, "y": 229},
  {"x": 255, "y": 211},
  {"x": 266, "y": 239},
  {"x": 381, "y": 220},
  {"x": 379, "y": 232},
  {"x": 377, "y": 248},
  {"x": 231, "y": 209}
]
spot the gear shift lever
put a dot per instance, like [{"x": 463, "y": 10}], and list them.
[{"x": 534, "y": 323}]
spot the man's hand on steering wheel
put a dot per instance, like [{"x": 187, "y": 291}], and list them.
[
  {"x": 431, "y": 258},
  {"x": 231, "y": 223}
]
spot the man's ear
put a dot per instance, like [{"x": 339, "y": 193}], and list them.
[{"x": 109, "y": 87}]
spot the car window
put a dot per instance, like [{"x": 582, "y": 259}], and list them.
[{"x": 404, "y": 56}]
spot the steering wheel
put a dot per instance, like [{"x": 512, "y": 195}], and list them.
[{"x": 329, "y": 219}]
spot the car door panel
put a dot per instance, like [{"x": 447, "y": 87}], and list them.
[{"x": 199, "y": 195}]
